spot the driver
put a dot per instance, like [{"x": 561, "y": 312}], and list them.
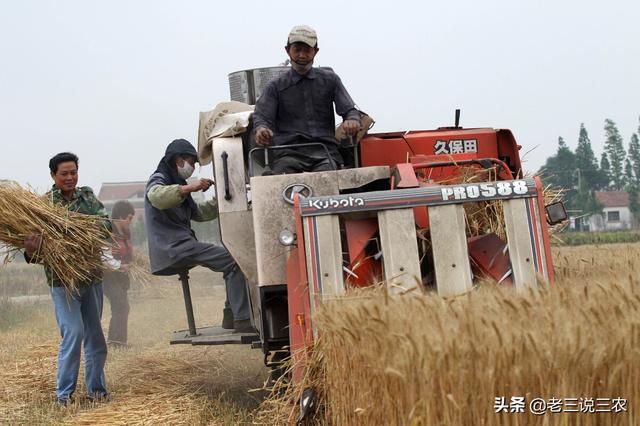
[{"x": 297, "y": 107}]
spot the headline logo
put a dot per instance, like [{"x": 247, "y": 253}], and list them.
[{"x": 456, "y": 146}]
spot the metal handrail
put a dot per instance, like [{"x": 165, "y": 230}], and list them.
[{"x": 296, "y": 146}]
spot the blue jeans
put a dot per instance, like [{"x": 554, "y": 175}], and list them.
[{"x": 78, "y": 317}]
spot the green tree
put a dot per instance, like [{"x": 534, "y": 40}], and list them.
[
  {"x": 589, "y": 177},
  {"x": 605, "y": 171},
  {"x": 559, "y": 171},
  {"x": 586, "y": 162},
  {"x": 634, "y": 158},
  {"x": 632, "y": 172},
  {"x": 615, "y": 153},
  {"x": 629, "y": 179},
  {"x": 634, "y": 200}
]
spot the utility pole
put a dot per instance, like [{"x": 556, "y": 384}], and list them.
[
  {"x": 578, "y": 220},
  {"x": 578, "y": 171}
]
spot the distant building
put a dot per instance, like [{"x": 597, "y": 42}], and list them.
[
  {"x": 616, "y": 214},
  {"x": 110, "y": 192}
]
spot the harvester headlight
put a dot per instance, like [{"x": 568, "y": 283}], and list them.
[
  {"x": 556, "y": 213},
  {"x": 286, "y": 237}
]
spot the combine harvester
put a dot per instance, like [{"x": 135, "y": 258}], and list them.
[{"x": 393, "y": 215}]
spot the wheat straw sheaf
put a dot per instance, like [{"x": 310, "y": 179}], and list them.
[
  {"x": 139, "y": 270},
  {"x": 72, "y": 243}
]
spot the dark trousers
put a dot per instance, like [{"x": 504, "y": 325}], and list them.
[
  {"x": 116, "y": 284},
  {"x": 288, "y": 165},
  {"x": 306, "y": 159},
  {"x": 218, "y": 259}
]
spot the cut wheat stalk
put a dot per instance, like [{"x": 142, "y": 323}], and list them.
[
  {"x": 139, "y": 270},
  {"x": 72, "y": 243}
]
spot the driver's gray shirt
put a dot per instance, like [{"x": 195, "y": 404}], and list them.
[{"x": 299, "y": 108}]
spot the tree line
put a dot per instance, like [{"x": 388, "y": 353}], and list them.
[{"x": 580, "y": 173}]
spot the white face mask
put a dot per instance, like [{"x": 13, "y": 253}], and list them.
[{"x": 186, "y": 170}]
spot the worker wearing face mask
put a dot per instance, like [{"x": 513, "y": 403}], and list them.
[
  {"x": 297, "y": 107},
  {"x": 169, "y": 209}
]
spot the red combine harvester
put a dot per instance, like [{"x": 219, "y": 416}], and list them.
[{"x": 397, "y": 214}]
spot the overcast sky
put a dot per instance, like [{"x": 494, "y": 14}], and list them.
[{"x": 116, "y": 81}]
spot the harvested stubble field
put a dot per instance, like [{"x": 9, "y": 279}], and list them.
[
  {"x": 413, "y": 360},
  {"x": 151, "y": 383}
]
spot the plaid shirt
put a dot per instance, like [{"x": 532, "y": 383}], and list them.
[{"x": 82, "y": 201}]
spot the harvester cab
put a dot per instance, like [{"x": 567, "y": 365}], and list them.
[{"x": 433, "y": 210}]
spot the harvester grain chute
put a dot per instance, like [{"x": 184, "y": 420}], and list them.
[{"x": 408, "y": 211}]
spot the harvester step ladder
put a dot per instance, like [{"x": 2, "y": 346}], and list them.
[{"x": 183, "y": 277}]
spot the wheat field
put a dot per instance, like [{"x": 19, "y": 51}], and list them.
[{"x": 427, "y": 360}]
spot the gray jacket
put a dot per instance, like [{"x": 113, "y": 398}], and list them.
[
  {"x": 168, "y": 221},
  {"x": 299, "y": 107}
]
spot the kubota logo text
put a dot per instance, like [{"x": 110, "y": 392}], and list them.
[{"x": 332, "y": 203}]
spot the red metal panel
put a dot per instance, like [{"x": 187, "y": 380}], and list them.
[
  {"x": 300, "y": 332},
  {"x": 490, "y": 256},
  {"x": 405, "y": 176},
  {"x": 545, "y": 230},
  {"x": 393, "y": 148},
  {"x": 438, "y": 142},
  {"x": 358, "y": 234},
  {"x": 377, "y": 151},
  {"x": 508, "y": 148},
  {"x": 536, "y": 240}
]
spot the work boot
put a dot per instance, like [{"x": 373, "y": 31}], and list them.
[
  {"x": 227, "y": 318},
  {"x": 243, "y": 326},
  {"x": 113, "y": 344},
  {"x": 99, "y": 397},
  {"x": 63, "y": 402}
]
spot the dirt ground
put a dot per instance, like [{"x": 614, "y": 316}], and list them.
[{"x": 151, "y": 382}]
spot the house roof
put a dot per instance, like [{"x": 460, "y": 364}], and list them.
[
  {"x": 613, "y": 198},
  {"x": 121, "y": 190}
]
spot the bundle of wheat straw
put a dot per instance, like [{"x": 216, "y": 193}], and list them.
[
  {"x": 139, "y": 270},
  {"x": 72, "y": 243}
]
